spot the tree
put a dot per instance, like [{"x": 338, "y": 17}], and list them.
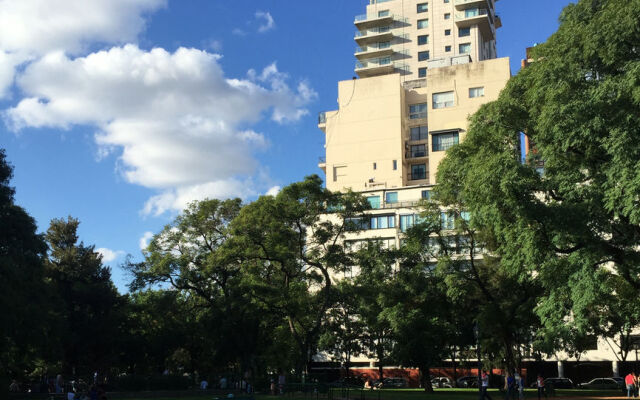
[
  {"x": 191, "y": 256},
  {"x": 579, "y": 103},
  {"x": 292, "y": 244},
  {"x": 25, "y": 336},
  {"x": 90, "y": 306}
]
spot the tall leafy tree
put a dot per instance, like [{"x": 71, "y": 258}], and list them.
[
  {"x": 292, "y": 245},
  {"x": 25, "y": 299},
  {"x": 579, "y": 102},
  {"x": 90, "y": 306}
]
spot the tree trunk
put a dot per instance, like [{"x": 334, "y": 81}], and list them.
[{"x": 425, "y": 380}]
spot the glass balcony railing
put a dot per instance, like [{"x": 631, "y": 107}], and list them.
[
  {"x": 417, "y": 175},
  {"x": 371, "y": 32},
  {"x": 373, "y": 63},
  {"x": 322, "y": 118},
  {"x": 373, "y": 47},
  {"x": 322, "y": 160},
  {"x": 471, "y": 13}
]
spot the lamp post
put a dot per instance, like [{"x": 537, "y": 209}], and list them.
[{"x": 476, "y": 333}]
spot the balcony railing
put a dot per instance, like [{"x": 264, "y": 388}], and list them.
[
  {"x": 417, "y": 154},
  {"x": 400, "y": 204},
  {"x": 416, "y": 176},
  {"x": 373, "y": 63},
  {"x": 322, "y": 118},
  {"x": 471, "y": 13},
  {"x": 373, "y": 31},
  {"x": 322, "y": 160}
]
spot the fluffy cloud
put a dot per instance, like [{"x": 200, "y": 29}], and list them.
[
  {"x": 145, "y": 239},
  {"x": 40, "y": 26},
  {"x": 32, "y": 28},
  {"x": 109, "y": 255},
  {"x": 273, "y": 191},
  {"x": 267, "y": 21},
  {"x": 174, "y": 118}
]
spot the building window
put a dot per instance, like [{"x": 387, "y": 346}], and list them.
[
  {"x": 447, "y": 49},
  {"x": 374, "y": 201},
  {"x": 423, "y": 23},
  {"x": 418, "y": 171},
  {"x": 446, "y": 1},
  {"x": 407, "y": 222},
  {"x": 375, "y": 166},
  {"x": 442, "y": 100},
  {"x": 383, "y": 222},
  {"x": 423, "y": 39},
  {"x": 471, "y": 12},
  {"x": 383, "y": 45},
  {"x": 383, "y": 13},
  {"x": 418, "y": 150},
  {"x": 447, "y": 32},
  {"x": 391, "y": 197},
  {"x": 462, "y": 32},
  {"x": 422, "y": 72},
  {"x": 447, "y": 16},
  {"x": 423, "y": 55},
  {"x": 395, "y": 165},
  {"x": 417, "y": 111},
  {"x": 423, "y": 7},
  {"x": 444, "y": 141},
  {"x": 464, "y": 48},
  {"x": 447, "y": 220},
  {"x": 419, "y": 133},
  {"x": 426, "y": 194},
  {"x": 476, "y": 92}
]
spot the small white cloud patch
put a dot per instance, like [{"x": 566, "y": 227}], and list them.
[
  {"x": 109, "y": 255},
  {"x": 267, "y": 21},
  {"x": 145, "y": 239}
]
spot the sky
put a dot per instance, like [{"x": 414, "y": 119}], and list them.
[{"x": 121, "y": 112}]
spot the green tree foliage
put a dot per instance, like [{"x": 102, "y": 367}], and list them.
[
  {"x": 191, "y": 256},
  {"x": 89, "y": 307},
  {"x": 291, "y": 245},
  {"x": 579, "y": 102},
  {"x": 24, "y": 331}
]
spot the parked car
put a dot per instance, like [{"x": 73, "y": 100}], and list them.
[
  {"x": 394, "y": 383},
  {"x": 619, "y": 379},
  {"x": 467, "y": 381},
  {"x": 442, "y": 382},
  {"x": 602, "y": 384},
  {"x": 559, "y": 383}
]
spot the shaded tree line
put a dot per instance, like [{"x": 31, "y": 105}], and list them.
[{"x": 527, "y": 263}]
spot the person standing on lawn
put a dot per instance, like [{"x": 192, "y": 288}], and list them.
[
  {"x": 484, "y": 385},
  {"x": 540, "y": 385},
  {"x": 630, "y": 381}
]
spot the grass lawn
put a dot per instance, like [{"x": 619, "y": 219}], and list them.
[{"x": 408, "y": 394}]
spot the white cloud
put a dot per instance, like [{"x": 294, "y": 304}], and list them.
[
  {"x": 32, "y": 28},
  {"x": 175, "y": 119},
  {"x": 145, "y": 239},
  {"x": 40, "y": 26},
  {"x": 273, "y": 191},
  {"x": 109, "y": 255},
  {"x": 267, "y": 21},
  {"x": 239, "y": 32}
]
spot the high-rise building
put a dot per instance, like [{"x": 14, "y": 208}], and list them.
[
  {"x": 410, "y": 37},
  {"x": 393, "y": 127}
]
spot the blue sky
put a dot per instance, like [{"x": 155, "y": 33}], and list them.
[{"x": 96, "y": 100}]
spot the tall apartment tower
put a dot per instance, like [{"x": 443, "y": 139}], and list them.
[
  {"x": 409, "y": 37},
  {"x": 426, "y": 66}
]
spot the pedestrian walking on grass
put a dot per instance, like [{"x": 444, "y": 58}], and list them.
[
  {"x": 510, "y": 387},
  {"x": 484, "y": 382},
  {"x": 540, "y": 385}
]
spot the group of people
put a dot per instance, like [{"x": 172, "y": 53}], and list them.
[{"x": 514, "y": 383}]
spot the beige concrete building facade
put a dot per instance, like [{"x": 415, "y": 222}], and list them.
[{"x": 409, "y": 37}]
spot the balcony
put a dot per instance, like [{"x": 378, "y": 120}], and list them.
[
  {"x": 464, "y": 4},
  {"x": 380, "y": 34},
  {"x": 477, "y": 16},
  {"x": 365, "y": 21},
  {"x": 417, "y": 176},
  {"x": 376, "y": 66},
  {"x": 373, "y": 50},
  {"x": 322, "y": 163},
  {"x": 417, "y": 154}
]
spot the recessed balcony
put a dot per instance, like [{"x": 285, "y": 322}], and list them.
[
  {"x": 322, "y": 163},
  {"x": 464, "y": 4},
  {"x": 373, "y": 50},
  {"x": 375, "y": 66},
  {"x": 365, "y": 21},
  {"x": 374, "y": 35},
  {"x": 477, "y": 16}
]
